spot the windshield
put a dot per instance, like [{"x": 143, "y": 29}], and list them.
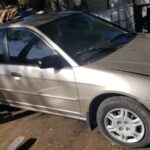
[{"x": 86, "y": 38}]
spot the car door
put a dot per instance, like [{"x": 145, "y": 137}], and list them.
[
  {"x": 2, "y": 69},
  {"x": 29, "y": 86}
]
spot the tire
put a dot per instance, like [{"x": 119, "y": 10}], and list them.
[{"x": 124, "y": 121}]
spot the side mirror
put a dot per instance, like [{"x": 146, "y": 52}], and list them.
[{"x": 50, "y": 62}]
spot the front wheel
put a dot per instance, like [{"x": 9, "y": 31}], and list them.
[{"x": 124, "y": 121}]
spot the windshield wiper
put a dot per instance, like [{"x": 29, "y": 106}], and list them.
[
  {"x": 95, "y": 49},
  {"x": 122, "y": 38}
]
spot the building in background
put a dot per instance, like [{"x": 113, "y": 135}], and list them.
[
  {"x": 120, "y": 12},
  {"x": 129, "y": 14}
]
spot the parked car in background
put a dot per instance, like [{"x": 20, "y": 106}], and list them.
[{"x": 77, "y": 65}]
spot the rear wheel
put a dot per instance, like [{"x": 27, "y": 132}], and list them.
[{"x": 124, "y": 121}]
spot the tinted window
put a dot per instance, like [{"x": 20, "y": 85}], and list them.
[
  {"x": 1, "y": 48},
  {"x": 26, "y": 48}
]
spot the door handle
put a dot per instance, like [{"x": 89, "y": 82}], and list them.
[{"x": 15, "y": 74}]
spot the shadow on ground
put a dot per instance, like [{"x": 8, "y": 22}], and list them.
[
  {"x": 27, "y": 144},
  {"x": 8, "y": 114}
]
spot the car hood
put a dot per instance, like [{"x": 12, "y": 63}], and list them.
[{"x": 133, "y": 57}]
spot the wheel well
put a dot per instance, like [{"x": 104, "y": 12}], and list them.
[
  {"x": 91, "y": 115},
  {"x": 94, "y": 107}
]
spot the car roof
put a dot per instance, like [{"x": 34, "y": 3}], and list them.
[{"x": 38, "y": 19}]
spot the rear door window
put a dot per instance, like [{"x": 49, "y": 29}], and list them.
[
  {"x": 26, "y": 48},
  {"x": 1, "y": 48}
]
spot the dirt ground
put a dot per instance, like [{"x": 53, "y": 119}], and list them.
[{"x": 49, "y": 132}]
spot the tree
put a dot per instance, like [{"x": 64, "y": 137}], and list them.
[
  {"x": 3, "y": 3},
  {"x": 80, "y": 5},
  {"x": 37, "y": 4}
]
